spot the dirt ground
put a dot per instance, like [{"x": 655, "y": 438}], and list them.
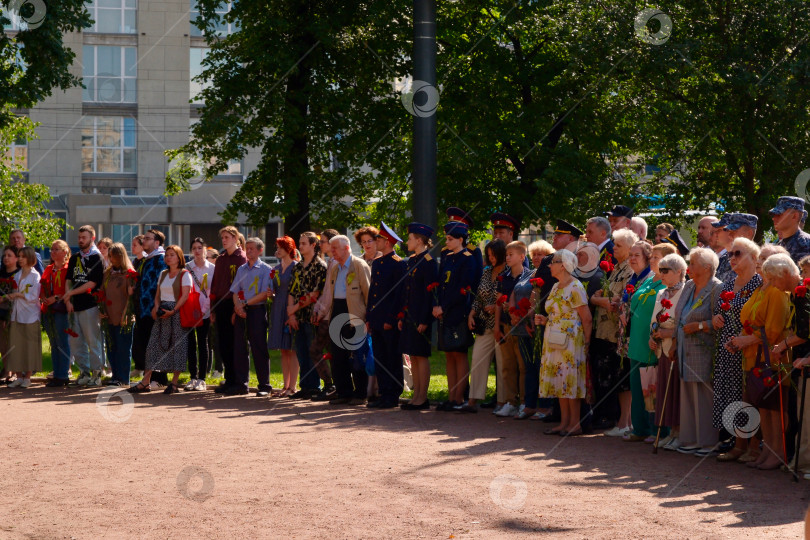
[{"x": 194, "y": 465}]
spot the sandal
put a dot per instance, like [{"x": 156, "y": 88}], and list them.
[
  {"x": 139, "y": 388},
  {"x": 171, "y": 388}
]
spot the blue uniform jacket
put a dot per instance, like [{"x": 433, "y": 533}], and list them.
[
  {"x": 385, "y": 290},
  {"x": 417, "y": 301},
  {"x": 456, "y": 272}
]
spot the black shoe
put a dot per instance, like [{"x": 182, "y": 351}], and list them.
[
  {"x": 221, "y": 389},
  {"x": 171, "y": 389},
  {"x": 488, "y": 404},
  {"x": 304, "y": 394},
  {"x": 57, "y": 383},
  {"x": 264, "y": 390},
  {"x": 374, "y": 404},
  {"x": 425, "y": 405},
  {"x": 327, "y": 394},
  {"x": 340, "y": 401},
  {"x": 387, "y": 404},
  {"x": 240, "y": 390}
]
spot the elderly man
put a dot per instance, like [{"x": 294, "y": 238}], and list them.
[
  {"x": 345, "y": 300},
  {"x": 705, "y": 231},
  {"x": 720, "y": 242},
  {"x": 17, "y": 239},
  {"x": 639, "y": 226},
  {"x": 787, "y": 217},
  {"x": 619, "y": 217},
  {"x": 249, "y": 289},
  {"x": 598, "y": 230}
]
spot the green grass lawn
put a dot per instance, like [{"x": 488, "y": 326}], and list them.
[{"x": 436, "y": 391}]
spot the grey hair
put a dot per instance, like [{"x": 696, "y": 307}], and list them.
[
  {"x": 625, "y": 236},
  {"x": 706, "y": 256},
  {"x": 340, "y": 239},
  {"x": 639, "y": 226},
  {"x": 779, "y": 265},
  {"x": 675, "y": 262},
  {"x": 744, "y": 244},
  {"x": 255, "y": 241},
  {"x": 601, "y": 223},
  {"x": 540, "y": 246},
  {"x": 567, "y": 258},
  {"x": 772, "y": 249}
]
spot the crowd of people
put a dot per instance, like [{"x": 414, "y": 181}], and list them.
[{"x": 697, "y": 350}]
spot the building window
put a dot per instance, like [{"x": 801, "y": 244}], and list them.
[
  {"x": 109, "y": 74},
  {"x": 195, "y": 59},
  {"x": 17, "y": 154},
  {"x": 124, "y": 233},
  {"x": 113, "y": 16},
  {"x": 108, "y": 144},
  {"x": 222, "y": 28}
]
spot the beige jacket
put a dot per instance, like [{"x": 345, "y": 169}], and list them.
[{"x": 356, "y": 291}]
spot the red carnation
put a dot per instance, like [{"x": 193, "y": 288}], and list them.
[
  {"x": 663, "y": 317},
  {"x": 71, "y": 332},
  {"x": 524, "y": 304},
  {"x": 725, "y": 306},
  {"x": 132, "y": 274},
  {"x": 606, "y": 266},
  {"x": 800, "y": 291},
  {"x": 13, "y": 283},
  {"x": 499, "y": 279},
  {"x": 769, "y": 381},
  {"x": 666, "y": 303},
  {"x": 327, "y": 356},
  {"x": 401, "y": 315},
  {"x": 502, "y": 300},
  {"x": 537, "y": 282},
  {"x": 241, "y": 295},
  {"x": 630, "y": 289},
  {"x": 432, "y": 286},
  {"x": 806, "y": 282},
  {"x": 727, "y": 296},
  {"x": 466, "y": 290},
  {"x": 757, "y": 372},
  {"x": 747, "y": 328}
]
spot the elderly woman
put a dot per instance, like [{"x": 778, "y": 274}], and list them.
[
  {"x": 611, "y": 382},
  {"x": 767, "y": 314},
  {"x": 539, "y": 249},
  {"x": 695, "y": 338},
  {"x": 728, "y": 375},
  {"x": 565, "y": 343},
  {"x": 672, "y": 269},
  {"x": 765, "y": 252},
  {"x": 642, "y": 358}
]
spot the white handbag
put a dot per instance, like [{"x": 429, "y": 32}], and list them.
[{"x": 557, "y": 339}]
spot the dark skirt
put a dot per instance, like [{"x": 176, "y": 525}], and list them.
[
  {"x": 672, "y": 410},
  {"x": 412, "y": 342},
  {"x": 460, "y": 330}
]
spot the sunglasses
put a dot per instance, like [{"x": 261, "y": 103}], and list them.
[
  {"x": 736, "y": 253},
  {"x": 664, "y": 270}
]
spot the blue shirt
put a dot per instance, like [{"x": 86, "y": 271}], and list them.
[
  {"x": 523, "y": 289},
  {"x": 251, "y": 280},
  {"x": 340, "y": 279}
]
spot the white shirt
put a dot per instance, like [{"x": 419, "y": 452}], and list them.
[
  {"x": 600, "y": 246},
  {"x": 205, "y": 276},
  {"x": 27, "y": 311},
  {"x": 167, "y": 290}
]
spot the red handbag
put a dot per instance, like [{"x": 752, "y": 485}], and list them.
[{"x": 191, "y": 315}]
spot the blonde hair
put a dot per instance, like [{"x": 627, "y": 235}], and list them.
[
  {"x": 665, "y": 249},
  {"x": 744, "y": 244},
  {"x": 119, "y": 250},
  {"x": 518, "y": 245},
  {"x": 779, "y": 265},
  {"x": 63, "y": 245}
]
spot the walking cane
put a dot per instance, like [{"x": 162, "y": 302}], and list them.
[
  {"x": 799, "y": 434},
  {"x": 663, "y": 407},
  {"x": 782, "y": 414}
]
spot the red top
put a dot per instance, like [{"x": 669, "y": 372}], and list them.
[
  {"x": 224, "y": 272},
  {"x": 53, "y": 283}
]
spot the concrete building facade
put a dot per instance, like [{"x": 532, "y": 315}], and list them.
[{"x": 100, "y": 148}]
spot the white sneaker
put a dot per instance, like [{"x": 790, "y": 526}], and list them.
[
  {"x": 497, "y": 409},
  {"x": 665, "y": 441},
  {"x": 135, "y": 374},
  {"x": 25, "y": 383},
  {"x": 617, "y": 432},
  {"x": 507, "y": 410},
  {"x": 674, "y": 444},
  {"x": 15, "y": 383},
  {"x": 84, "y": 379},
  {"x": 200, "y": 385},
  {"x": 217, "y": 374},
  {"x": 94, "y": 381},
  {"x": 192, "y": 385},
  {"x": 154, "y": 385},
  {"x": 520, "y": 409}
]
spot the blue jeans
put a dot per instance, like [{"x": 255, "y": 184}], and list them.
[
  {"x": 303, "y": 338},
  {"x": 86, "y": 347},
  {"x": 120, "y": 346},
  {"x": 60, "y": 346}
]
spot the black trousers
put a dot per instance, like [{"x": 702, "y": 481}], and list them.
[
  {"x": 223, "y": 312},
  {"x": 251, "y": 330},
  {"x": 140, "y": 339},
  {"x": 605, "y": 380},
  {"x": 198, "y": 353},
  {"x": 387, "y": 363},
  {"x": 348, "y": 371}
]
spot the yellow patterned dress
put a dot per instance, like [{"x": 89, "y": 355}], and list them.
[{"x": 562, "y": 373}]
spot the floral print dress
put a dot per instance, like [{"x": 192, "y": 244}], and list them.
[{"x": 563, "y": 371}]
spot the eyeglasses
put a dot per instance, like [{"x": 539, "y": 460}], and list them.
[
  {"x": 735, "y": 253},
  {"x": 556, "y": 261},
  {"x": 148, "y": 237},
  {"x": 369, "y": 241}
]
